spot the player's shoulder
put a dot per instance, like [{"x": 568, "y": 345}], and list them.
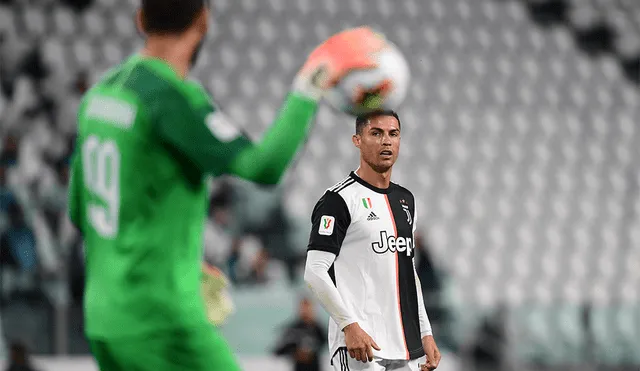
[
  {"x": 152, "y": 81},
  {"x": 344, "y": 187},
  {"x": 197, "y": 93},
  {"x": 338, "y": 195},
  {"x": 403, "y": 193},
  {"x": 188, "y": 91},
  {"x": 401, "y": 190},
  {"x": 133, "y": 79}
]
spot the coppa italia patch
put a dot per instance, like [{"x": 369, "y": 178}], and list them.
[{"x": 326, "y": 225}]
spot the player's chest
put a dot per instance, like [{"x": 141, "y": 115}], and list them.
[{"x": 384, "y": 223}]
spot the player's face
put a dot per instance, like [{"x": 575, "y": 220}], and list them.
[{"x": 379, "y": 142}]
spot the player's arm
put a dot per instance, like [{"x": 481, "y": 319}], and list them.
[
  {"x": 426, "y": 334},
  {"x": 267, "y": 160},
  {"x": 425, "y": 324},
  {"x": 217, "y": 147},
  {"x": 330, "y": 220},
  {"x": 316, "y": 275},
  {"x": 326, "y": 66},
  {"x": 206, "y": 137}
]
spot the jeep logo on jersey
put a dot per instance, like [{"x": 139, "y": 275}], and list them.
[{"x": 393, "y": 244}]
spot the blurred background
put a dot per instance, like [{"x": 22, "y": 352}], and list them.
[{"x": 522, "y": 146}]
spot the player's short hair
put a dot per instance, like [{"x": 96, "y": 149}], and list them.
[
  {"x": 170, "y": 16},
  {"x": 363, "y": 120}
]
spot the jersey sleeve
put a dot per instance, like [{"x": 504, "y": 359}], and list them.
[
  {"x": 330, "y": 220},
  {"x": 190, "y": 123}
]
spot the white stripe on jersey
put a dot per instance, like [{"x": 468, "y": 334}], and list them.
[{"x": 340, "y": 184}]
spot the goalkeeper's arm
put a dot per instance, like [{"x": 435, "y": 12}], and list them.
[
  {"x": 208, "y": 139},
  {"x": 326, "y": 65},
  {"x": 266, "y": 161},
  {"x": 215, "y": 144}
]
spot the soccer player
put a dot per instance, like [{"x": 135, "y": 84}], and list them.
[
  {"x": 360, "y": 261},
  {"x": 147, "y": 139}
]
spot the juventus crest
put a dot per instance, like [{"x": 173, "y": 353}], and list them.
[{"x": 406, "y": 210}]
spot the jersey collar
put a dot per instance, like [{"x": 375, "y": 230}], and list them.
[
  {"x": 387, "y": 190},
  {"x": 156, "y": 64}
]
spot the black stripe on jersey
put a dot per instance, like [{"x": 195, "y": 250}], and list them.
[
  {"x": 334, "y": 355},
  {"x": 406, "y": 278},
  {"x": 332, "y": 274},
  {"x": 345, "y": 185},
  {"x": 339, "y": 353},
  {"x": 345, "y": 357}
]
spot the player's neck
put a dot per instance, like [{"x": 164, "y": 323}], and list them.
[
  {"x": 376, "y": 179},
  {"x": 172, "y": 50}
]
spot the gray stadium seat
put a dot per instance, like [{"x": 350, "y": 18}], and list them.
[{"x": 522, "y": 152}]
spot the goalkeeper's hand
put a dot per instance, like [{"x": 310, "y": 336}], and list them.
[
  {"x": 218, "y": 302},
  {"x": 334, "y": 58}
]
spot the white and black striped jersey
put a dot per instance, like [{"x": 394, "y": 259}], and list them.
[{"x": 371, "y": 232}]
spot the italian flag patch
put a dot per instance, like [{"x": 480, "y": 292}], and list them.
[{"x": 367, "y": 203}]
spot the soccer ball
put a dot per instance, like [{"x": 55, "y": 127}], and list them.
[{"x": 382, "y": 88}]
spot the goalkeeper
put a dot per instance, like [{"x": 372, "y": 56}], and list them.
[{"x": 147, "y": 139}]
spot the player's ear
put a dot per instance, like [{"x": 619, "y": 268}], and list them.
[
  {"x": 356, "y": 140},
  {"x": 140, "y": 22},
  {"x": 202, "y": 22}
]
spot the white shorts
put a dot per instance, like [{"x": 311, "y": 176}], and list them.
[{"x": 342, "y": 361}]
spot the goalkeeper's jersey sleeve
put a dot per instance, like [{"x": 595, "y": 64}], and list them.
[{"x": 187, "y": 121}]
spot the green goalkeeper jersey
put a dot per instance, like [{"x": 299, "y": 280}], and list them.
[{"x": 146, "y": 141}]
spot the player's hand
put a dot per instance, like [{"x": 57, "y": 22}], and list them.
[
  {"x": 432, "y": 352},
  {"x": 333, "y": 59},
  {"x": 218, "y": 303},
  {"x": 359, "y": 343}
]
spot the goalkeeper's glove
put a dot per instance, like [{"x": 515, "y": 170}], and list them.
[
  {"x": 335, "y": 58},
  {"x": 217, "y": 300}
]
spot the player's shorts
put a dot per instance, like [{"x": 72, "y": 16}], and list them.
[
  {"x": 342, "y": 361},
  {"x": 197, "y": 349}
]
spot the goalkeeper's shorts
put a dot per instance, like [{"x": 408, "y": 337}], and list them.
[{"x": 197, "y": 349}]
